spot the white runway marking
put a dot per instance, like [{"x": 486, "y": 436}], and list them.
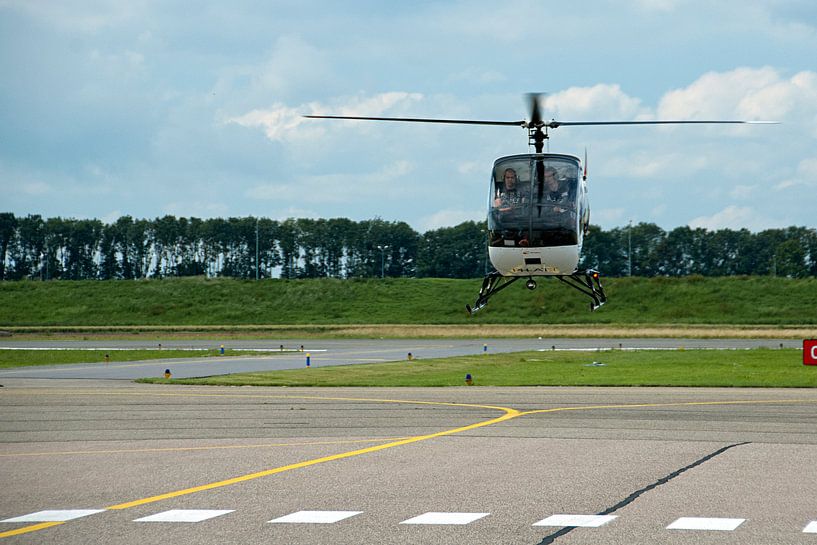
[
  {"x": 315, "y": 517},
  {"x": 811, "y": 528},
  {"x": 445, "y": 518},
  {"x": 701, "y": 523},
  {"x": 581, "y": 521},
  {"x": 185, "y": 515},
  {"x": 59, "y": 515}
]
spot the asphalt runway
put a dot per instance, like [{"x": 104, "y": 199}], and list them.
[
  {"x": 322, "y": 353},
  {"x": 136, "y": 464}
]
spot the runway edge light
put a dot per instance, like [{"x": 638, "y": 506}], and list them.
[
  {"x": 810, "y": 352},
  {"x": 468, "y": 380},
  {"x": 167, "y": 373}
]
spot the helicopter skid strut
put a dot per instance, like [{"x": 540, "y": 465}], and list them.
[
  {"x": 588, "y": 282},
  {"x": 492, "y": 283}
]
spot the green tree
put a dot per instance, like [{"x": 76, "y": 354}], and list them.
[
  {"x": 8, "y": 227},
  {"x": 26, "y": 254},
  {"x": 605, "y": 251},
  {"x": 453, "y": 252}
]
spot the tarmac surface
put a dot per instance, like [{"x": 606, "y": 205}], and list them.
[{"x": 111, "y": 461}]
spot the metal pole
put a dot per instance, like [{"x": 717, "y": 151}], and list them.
[
  {"x": 382, "y": 259},
  {"x": 256, "y": 249},
  {"x": 630, "y": 249}
]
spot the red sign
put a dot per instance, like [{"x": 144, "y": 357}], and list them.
[{"x": 810, "y": 352}]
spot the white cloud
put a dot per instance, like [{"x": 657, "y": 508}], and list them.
[
  {"x": 653, "y": 166},
  {"x": 338, "y": 188},
  {"x": 449, "y": 217},
  {"x": 808, "y": 169},
  {"x": 282, "y": 123},
  {"x": 744, "y": 93},
  {"x": 279, "y": 122},
  {"x": 805, "y": 176},
  {"x": 741, "y": 191},
  {"x": 735, "y": 217},
  {"x": 599, "y": 102}
]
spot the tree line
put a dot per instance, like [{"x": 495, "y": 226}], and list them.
[{"x": 32, "y": 247}]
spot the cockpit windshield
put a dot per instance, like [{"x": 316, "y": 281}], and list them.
[{"x": 534, "y": 201}]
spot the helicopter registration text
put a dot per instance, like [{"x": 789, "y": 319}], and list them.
[{"x": 810, "y": 352}]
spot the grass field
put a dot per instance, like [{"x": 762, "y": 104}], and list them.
[
  {"x": 24, "y": 358},
  {"x": 725, "y": 368},
  {"x": 199, "y": 302}
]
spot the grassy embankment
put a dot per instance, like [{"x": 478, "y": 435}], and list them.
[
  {"x": 405, "y": 307},
  {"x": 738, "y": 368}
]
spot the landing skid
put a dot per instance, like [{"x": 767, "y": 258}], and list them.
[{"x": 588, "y": 282}]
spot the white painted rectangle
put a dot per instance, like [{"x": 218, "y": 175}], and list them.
[
  {"x": 315, "y": 517},
  {"x": 702, "y": 523},
  {"x": 185, "y": 515},
  {"x": 57, "y": 515},
  {"x": 811, "y": 527},
  {"x": 579, "y": 521},
  {"x": 445, "y": 518}
]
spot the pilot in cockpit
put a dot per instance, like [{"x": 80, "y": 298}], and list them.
[{"x": 509, "y": 194}]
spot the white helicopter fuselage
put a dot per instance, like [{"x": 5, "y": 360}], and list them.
[{"x": 536, "y": 228}]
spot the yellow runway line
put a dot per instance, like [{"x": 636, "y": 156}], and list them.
[
  {"x": 510, "y": 413},
  {"x": 32, "y": 528}
]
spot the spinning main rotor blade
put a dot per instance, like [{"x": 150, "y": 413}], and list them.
[
  {"x": 537, "y": 122},
  {"x": 419, "y": 120},
  {"x": 554, "y": 124},
  {"x": 535, "y": 113}
]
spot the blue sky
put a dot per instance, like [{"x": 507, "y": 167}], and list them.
[{"x": 152, "y": 108}]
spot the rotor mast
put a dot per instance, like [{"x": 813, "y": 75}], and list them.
[{"x": 537, "y": 137}]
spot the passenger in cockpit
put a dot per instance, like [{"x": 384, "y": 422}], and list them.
[{"x": 554, "y": 192}]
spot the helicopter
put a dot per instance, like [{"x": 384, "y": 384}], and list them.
[{"x": 538, "y": 206}]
